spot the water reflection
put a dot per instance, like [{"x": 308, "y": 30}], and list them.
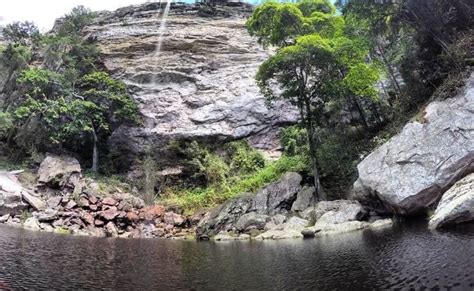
[{"x": 405, "y": 257}]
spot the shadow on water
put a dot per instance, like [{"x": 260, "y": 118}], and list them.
[{"x": 407, "y": 256}]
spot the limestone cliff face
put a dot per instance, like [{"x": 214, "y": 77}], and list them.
[{"x": 201, "y": 85}]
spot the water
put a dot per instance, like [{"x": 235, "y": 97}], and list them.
[
  {"x": 162, "y": 28},
  {"x": 407, "y": 257}
]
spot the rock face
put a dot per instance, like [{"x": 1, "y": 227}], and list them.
[
  {"x": 201, "y": 84},
  {"x": 59, "y": 172},
  {"x": 411, "y": 171},
  {"x": 279, "y": 196},
  {"x": 456, "y": 205}
]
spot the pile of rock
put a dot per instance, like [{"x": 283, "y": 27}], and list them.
[
  {"x": 62, "y": 204},
  {"x": 284, "y": 209}
]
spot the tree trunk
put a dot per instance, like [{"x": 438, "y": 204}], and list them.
[
  {"x": 361, "y": 113},
  {"x": 390, "y": 70},
  {"x": 312, "y": 149},
  {"x": 95, "y": 153}
]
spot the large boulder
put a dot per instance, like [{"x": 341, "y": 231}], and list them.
[
  {"x": 252, "y": 220},
  {"x": 346, "y": 210},
  {"x": 278, "y": 197},
  {"x": 411, "y": 171},
  {"x": 59, "y": 172},
  {"x": 456, "y": 205},
  {"x": 224, "y": 217},
  {"x": 10, "y": 195}
]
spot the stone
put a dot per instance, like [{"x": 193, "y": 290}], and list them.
[
  {"x": 381, "y": 223},
  {"x": 109, "y": 201},
  {"x": 54, "y": 201},
  {"x": 109, "y": 214},
  {"x": 172, "y": 218},
  {"x": 83, "y": 202},
  {"x": 251, "y": 220},
  {"x": 70, "y": 204},
  {"x": 308, "y": 233},
  {"x": 347, "y": 212},
  {"x": 279, "y": 196},
  {"x": 111, "y": 229},
  {"x": 332, "y": 229},
  {"x": 279, "y": 234},
  {"x": 98, "y": 222},
  {"x": 48, "y": 215},
  {"x": 204, "y": 85},
  {"x": 11, "y": 201},
  {"x": 93, "y": 199},
  {"x": 32, "y": 224},
  {"x": 34, "y": 201},
  {"x": 410, "y": 172},
  {"x": 129, "y": 200},
  {"x": 132, "y": 217},
  {"x": 304, "y": 199},
  {"x": 46, "y": 227},
  {"x": 88, "y": 218},
  {"x": 149, "y": 213},
  {"x": 456, "y": 205},
  {"x": 59, "y": 172},
  {"x": 4, "y": 218},
  {"x": 345, "y": 207},
  {"x": 223, "y": 217}
]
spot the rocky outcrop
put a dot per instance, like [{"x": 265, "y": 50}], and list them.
[
  {"x": 410, "y": 172},
  {"x": 456, "y": 205},
  {"x": 200, "y": 86},
  {"x": 59, "y": 172}
]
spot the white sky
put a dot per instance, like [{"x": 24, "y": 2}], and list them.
[{"x": 44, "y": 12}]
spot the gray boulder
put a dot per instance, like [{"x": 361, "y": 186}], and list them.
[
  {"x": 224, "y": 217},
  {"x": 456, "y": 205},
  {"x": 251, "y": 220},
  {"x": 304, "y": 199},
  {"x": 352, "y": 210},
  {"x": 11, "y": 195},
  {"x": 410, "y": 172},
  {"x": 59, "y": 172},
  {"x": 278, "y": 197}
]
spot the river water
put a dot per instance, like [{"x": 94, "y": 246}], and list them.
[{"x": 407, "y": 256}]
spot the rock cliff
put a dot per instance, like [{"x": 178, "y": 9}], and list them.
[{"x": 200, "y": 86}]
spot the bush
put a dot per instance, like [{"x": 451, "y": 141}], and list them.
[
  {"x": 294, "y": 140},
  {"x": 6, "y": 123},
  {"x": 243, "y": 158}
]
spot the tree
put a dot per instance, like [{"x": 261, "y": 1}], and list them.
[
  {"x": 100, "y": 104},
  {"x": 24, "y": 33},
  {"x": 314, "y": 67}
]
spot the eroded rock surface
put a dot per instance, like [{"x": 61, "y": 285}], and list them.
[
  {"x": 202, "y": 83},
  {"x": 456, "y": 205},
  {"x": 410, "y": 172}
]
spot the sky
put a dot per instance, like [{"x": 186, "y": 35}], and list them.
[{"x": 44, "y": 12}]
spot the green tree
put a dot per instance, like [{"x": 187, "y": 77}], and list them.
[
  {"x": 24, "y": 33},
  {"x": 99, "y": 103},
  {"x": 314, "y": 67}
]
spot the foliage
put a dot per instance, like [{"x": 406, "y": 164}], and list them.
[
  {"x": 23, "y": 33},
  {"x": 192, "y": 200},
  {"x": 294, "y": 141},
  {"x": 15, "y": 56},
  {"x": 244, "y": 159},
  {"x": 75, "y": 21},
  {"x": 6, "y": 123}
]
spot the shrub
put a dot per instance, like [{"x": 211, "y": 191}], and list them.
[{"x": 243, "y": 158}]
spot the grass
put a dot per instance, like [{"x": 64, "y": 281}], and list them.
[{"x": 192, "y": 200}]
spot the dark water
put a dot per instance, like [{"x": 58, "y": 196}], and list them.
[{"x": 406, "y": 257}]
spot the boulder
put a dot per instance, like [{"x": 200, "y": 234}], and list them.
[
  {"x": 332, "y": 229},
  {"x": 346, "y": 212},
  {"x": 109, "y": 214},
  {"x": 54, "y": 201},
  {"x": 149, "y": 213},
  {"x": 32, "y": 224},
  {"x": 223, "y": 217},
  {"x": 11, "y": 195},
  {"x": 35, "y": 202},
  {"x": 381, "y": 223},
  {"x": 351, "y": 209},
  {"x": 4, "y": 218},
  {"x": 109, "y": 201},
  {"x": 410, "y": 172},
  {"x": 111, "y": 229},
  {"x": 251, "y": 220},
  {"x": 279, "y": 234},
  {"x": 304, "y": 199},
  {"x": 456, "y": 205},
  {"x": 129, "y": 201},
  {"x": 279, "y": 196},
  {"x": 59, "y": 172}
]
